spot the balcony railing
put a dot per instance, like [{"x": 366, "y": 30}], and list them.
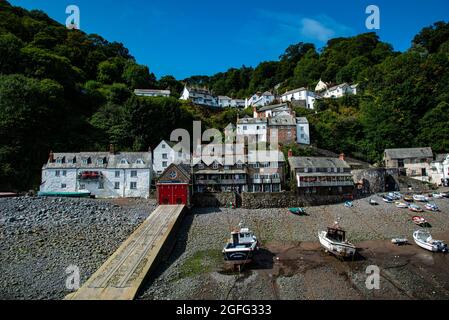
[
  {"x": 326, "y": 184},
  {"x": 221, "y": 181}
]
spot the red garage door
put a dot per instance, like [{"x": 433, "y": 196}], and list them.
[{"x": 172, "y": 193}]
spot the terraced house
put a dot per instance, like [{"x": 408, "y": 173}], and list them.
[
  {"x": 321, "y": 175},
  {"x": 105, "y": 174}
]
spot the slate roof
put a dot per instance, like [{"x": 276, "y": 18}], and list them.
[
  {"x": 316, "y": 162},
  {"x": 74, "y": 160},
  {"x": 409, "y": 153},
  {"x": 441, "y": 157},
  {"x": 143, "y": 91},
  {"x": 273, "y": 106},
  {"x": 294, "y": 90},
  {"x": 282, "y": 121}
]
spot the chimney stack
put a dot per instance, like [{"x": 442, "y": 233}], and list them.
[
  {"x": 111, "y": 148},
  {"x": 290, "y": 153},
  {"x": 51, "y": 157},
  {"x": 341, "y": 156}
]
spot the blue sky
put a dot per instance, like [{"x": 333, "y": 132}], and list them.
[{"x": 202, "y": 37}]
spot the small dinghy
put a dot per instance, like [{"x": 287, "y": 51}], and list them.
[
  {"x": 241, "y": 245},
  {"x": 399, "y": 241},
  {"x": 334, "y": 241},
  {"x": 420, "y": 198},
  {"x": 432, "y": 207},
  {"x": 408, "y": 198},
  {"x": 387, "y": 199},
  {"x": 415, "y": 208},
  {"x": 297, "y": 211},
  {"x": 424, "y": 240},
  {"x": 349, "y": 204},
  {"x": 418, "y": 220},
  {"x": 373, "y": 202},
  {"x": 401, "y": 205},
  {"x": 437, "y": 195}
]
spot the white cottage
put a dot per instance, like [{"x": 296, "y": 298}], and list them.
[
  {"x": 199, "y": 96},
  {"x": 260, "y": 99},
  {"x": 340, "y": 91},
  {"x": 301, "y": 94},
  {"x": 302, "y": 131},
  {"x": 105, "y": 174},
  {"x": 165, "y": 154},
  {"x": 253, "y": 128},
  {"x": 439, "y": 170}
]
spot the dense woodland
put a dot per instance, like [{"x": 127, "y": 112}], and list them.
[{"x": 64, "y": 90}]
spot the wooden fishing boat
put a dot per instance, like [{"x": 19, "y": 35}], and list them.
[
  {"x": 334, "y": 241},
  {"x": 387, "y": 199},
  {"x": 424, "y": 240},
  {"x": 7, "y": 194},
  {"x": 241, "y": 246},
  {"x": 408, "y": 198}
]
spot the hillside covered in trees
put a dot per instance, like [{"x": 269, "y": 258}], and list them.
[{"x": 65, "y": 90}]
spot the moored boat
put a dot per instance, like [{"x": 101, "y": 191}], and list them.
[
  {"x": 241, "y": 246},
  {"x": 415, "y": 208},
  {"x": 298, "y": 211},
  {"x": 424, "y": 239},
  {"x": 408, "y": 198},
  {"x": 373, "y": 202},
  {"x": 349, "y": 204},
  {"x": 334, "y": 241},
  {"x": 420, "y": 198},
  {"x": 418, "y": 220},
  {"x": 387, "y": 199},
  {"x": 401, "y": 205},
  {"x": 432, "y": 207},
  {"x": 399, "y": 241},
  {"x": 76, "y": 194}
]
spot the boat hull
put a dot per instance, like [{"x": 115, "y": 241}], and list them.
[
  {"x": 65, "y": 194},
  {"x": 344, "y": 250}
]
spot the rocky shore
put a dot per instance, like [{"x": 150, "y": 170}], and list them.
[{"x": 41, "y": 237}]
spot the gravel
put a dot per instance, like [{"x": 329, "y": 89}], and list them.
[{"x": 42, "y": 237}]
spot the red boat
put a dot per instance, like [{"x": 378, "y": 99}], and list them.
[{"x": 419, "y": 220}]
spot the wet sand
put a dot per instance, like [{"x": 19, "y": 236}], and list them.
[{"x": 292, "y": 265}]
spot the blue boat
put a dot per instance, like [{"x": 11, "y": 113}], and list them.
[
  {"x": 297, "y": 211},
  {"x": 76, "y": 194}
]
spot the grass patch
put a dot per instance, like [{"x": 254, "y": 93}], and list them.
[{"x": 201, "y": 262}]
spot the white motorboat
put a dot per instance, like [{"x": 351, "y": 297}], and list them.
[
  {"x": 334, "y": 241},
  {"x": 424, "y": 240},
  {"x": 437, "y": 195},
  {"x": 240, "y": 246},
  {"x": 401, "y": 205},
  {"x": 420, "y": 198},
  {"x": 432, "y": 207}
]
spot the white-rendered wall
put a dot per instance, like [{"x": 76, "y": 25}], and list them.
[{"x": 306, "y": 139}]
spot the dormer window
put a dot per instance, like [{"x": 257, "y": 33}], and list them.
[
  {"x": 123, "y": 161},
  {"x": 139, "y": 161},
  {"x": 60, "y": 160},
  {"x": 101, "y": 161},
  {"x": 215, "y": 165},
  {"x": 86, "y": 161},
  {"x": 200, "y": 165}
]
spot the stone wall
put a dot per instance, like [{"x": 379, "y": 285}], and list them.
[
  {"x": 376, "y": 180},
  {"x": 214, "y": 199},
  {"x": 258, "y": 200}
]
